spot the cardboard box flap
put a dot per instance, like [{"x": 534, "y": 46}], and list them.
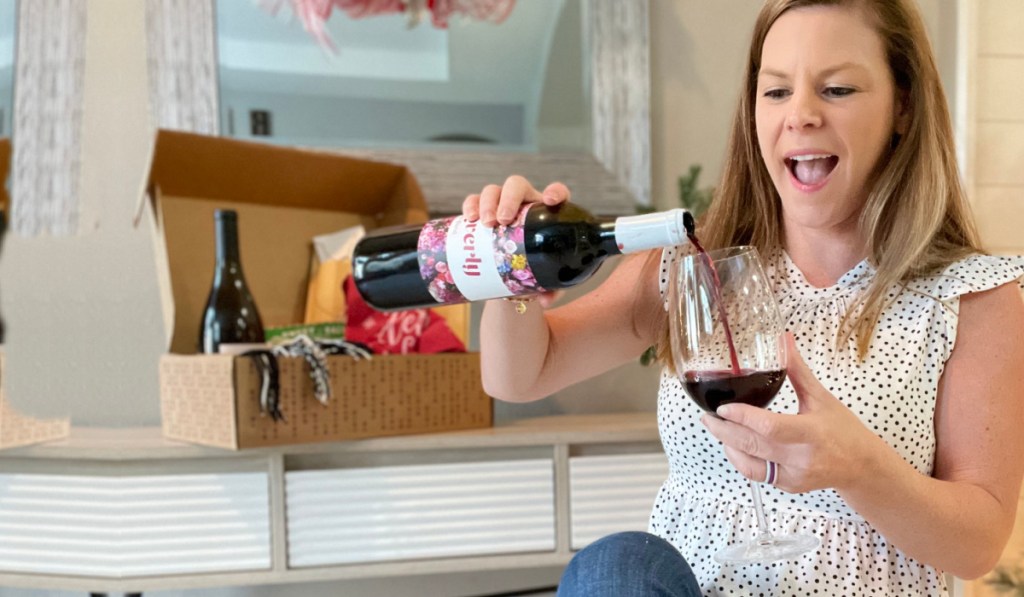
[
  {"x": 284, "y": 198},
  {"x": 5, "y": 168},
  {"x": 191, "y": 165}
]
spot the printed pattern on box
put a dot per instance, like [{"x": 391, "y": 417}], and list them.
[
  {"x": 197, "y": 399},
  {"x": 17, "y": 429},
  {"x": 382, "y": 396}
]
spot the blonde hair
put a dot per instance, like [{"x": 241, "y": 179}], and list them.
[{"x": 916, "y": 217}]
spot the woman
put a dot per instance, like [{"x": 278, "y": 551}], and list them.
[{"x": 897, "y": 436}]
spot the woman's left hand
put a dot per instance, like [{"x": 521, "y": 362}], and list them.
[{"x": 824, "y": 446}]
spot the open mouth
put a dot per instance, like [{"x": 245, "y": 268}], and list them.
[{"x": 812, "y": 169}]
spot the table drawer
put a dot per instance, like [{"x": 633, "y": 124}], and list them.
[
  {"x": 134, "y": 525},
  {"x": 608, "y": 494},
  {"x": 419, "y": 511}
]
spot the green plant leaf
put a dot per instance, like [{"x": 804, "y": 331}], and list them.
[
  {"x": 1007, "y": 581},
  {"x": 649, "y": 356},
  {"x": 692, "y": 198}
]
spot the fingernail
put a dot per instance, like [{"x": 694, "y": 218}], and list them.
[{"x": 724, "y": 411}]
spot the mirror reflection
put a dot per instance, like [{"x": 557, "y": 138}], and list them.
[
  {"x": 7, "y": 27},
  {"x": 517, "y": 85}
]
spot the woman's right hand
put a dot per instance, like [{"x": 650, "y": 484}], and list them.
[{"x": 499, "y": 204}]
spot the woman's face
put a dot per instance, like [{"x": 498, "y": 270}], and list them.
[{"x": 825, "y": 109}]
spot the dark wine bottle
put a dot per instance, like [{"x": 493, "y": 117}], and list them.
[
  {"x": 230, "y": 316},
  {"x": 451, "y": 260}
]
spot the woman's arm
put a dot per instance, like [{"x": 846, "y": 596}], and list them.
[
  {"x": 530, "y": 356},
  {"x": 958, "y": 520}
]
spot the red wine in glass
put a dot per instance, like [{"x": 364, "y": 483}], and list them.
[{"x": 711, "y": 389}]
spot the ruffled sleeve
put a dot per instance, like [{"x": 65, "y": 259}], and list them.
[{"x": 976, "y": 273}]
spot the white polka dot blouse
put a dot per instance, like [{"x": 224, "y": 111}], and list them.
[{"x": 705, "y": 503}]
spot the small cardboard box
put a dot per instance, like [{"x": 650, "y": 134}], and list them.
[
  {"x": 16, "y": 428},
  {"x": 284, "y": 197}
]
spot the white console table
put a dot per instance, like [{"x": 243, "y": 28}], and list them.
[{"x": 126, "y": 510}]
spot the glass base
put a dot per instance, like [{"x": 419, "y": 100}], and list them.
[{"x": 771, "y": 549}]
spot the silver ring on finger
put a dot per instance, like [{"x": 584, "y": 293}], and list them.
[{"x": 771, "y": 472}]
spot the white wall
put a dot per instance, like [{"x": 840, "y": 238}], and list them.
[
  {"x": 82, "y": 314},
  {"x": 998, "y": 174},
  {"x": 697, "y": 55}
]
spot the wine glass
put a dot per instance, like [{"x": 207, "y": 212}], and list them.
[{"x": 728, "y": 345}]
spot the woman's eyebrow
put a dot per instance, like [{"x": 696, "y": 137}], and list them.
[{"x": 778, "y": 74}]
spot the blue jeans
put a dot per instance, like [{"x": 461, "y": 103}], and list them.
[{"x": 631, "y": 564}]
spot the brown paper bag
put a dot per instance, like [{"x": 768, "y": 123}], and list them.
[{"x": 325, "y": 300}]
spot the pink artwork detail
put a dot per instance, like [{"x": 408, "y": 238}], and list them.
[
  {"x": 510, "y": 257},
  {"x": 315, "y": 13}
]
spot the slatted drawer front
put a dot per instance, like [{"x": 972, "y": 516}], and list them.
[
  {"x": 134, "y": 526},
  {"x": 608, "y": 494},
  {"x": 419, "y": 511}
]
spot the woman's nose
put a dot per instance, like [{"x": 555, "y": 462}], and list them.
[{"x": 804, "y": 112}]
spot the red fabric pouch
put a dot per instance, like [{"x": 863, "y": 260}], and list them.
[{"x": 399, "y": 332}]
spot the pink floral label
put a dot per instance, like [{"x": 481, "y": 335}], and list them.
[
  {"x": 433, "y": 258},
  {"x": 455, "y": 257},
  {"x": 510, "y": 257}
]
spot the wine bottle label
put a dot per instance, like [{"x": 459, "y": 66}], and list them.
[{"x": 467, "y": 261}]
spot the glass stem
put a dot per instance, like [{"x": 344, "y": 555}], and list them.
[{"x": 764, "y": 537}]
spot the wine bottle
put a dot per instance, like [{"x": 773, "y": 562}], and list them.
[
  {"x": 451, "y": 260},
  {"x": 230, "y": 316}
]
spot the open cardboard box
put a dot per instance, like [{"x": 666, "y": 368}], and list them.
[
  {"x": 284, "y": 197},
  {"x": 16, "y": 428}
]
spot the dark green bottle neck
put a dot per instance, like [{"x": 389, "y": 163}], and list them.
[{"x": 227, "y": 242}]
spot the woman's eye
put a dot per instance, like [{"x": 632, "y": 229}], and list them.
[
  {"x": 776, "y": 93},
  {"x": 838, "y": 91}
]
